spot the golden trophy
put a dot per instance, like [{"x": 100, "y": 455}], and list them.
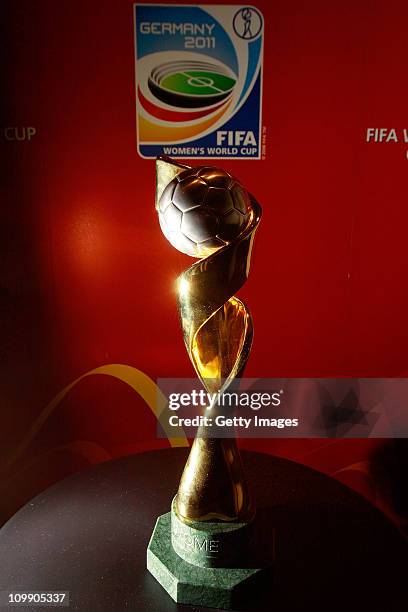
[{"x": 201, "y": 551}]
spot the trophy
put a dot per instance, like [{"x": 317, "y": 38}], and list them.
[{"x": 202, "y": 552}]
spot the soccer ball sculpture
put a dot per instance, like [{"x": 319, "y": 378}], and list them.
[{"x": 203, "y": 209}]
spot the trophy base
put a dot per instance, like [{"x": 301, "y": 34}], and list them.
[{"x": 190, "y": 583}]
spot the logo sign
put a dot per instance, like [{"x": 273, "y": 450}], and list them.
[{"x": 198, "y": 80}]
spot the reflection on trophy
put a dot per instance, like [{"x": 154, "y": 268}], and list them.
[{"x": 201, "y": 551}]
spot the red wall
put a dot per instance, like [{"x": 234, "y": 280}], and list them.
[{"x": 86, "y": 277}]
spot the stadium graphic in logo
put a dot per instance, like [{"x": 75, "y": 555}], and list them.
[
  {"x": 191, "y": 84},
  {"x": 198, "y": 80}
]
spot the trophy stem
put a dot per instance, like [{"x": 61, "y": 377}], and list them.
[{"x": 213, "y": 485}]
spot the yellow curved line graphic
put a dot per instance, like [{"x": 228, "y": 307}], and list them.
[
  {"x": 137, "y": 380},
  {"x": 152, "y": 132}
]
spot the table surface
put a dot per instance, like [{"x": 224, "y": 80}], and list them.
[{"x": 88, "y": 535}]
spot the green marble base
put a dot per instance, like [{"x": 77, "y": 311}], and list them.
[
  {"x": 215, "y": 587},
  {"x": 211, "y": 544}
]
